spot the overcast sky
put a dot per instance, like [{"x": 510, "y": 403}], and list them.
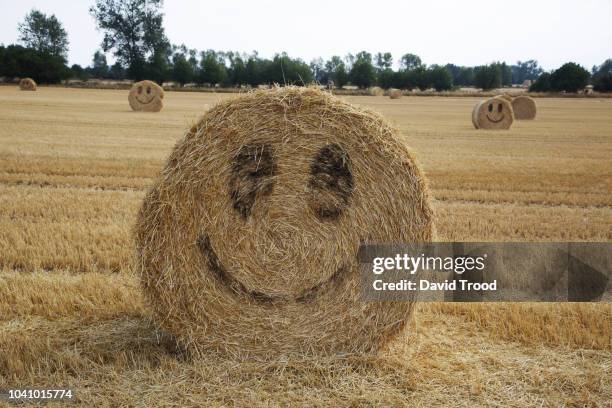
[{"x": 470, "y": 32}]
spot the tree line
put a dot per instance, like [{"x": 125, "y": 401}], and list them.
[{"x": 134, "y": 34}]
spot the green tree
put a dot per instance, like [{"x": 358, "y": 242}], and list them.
[
  {"x": 99, "y": 66},
  {"x": 420, "y": 77},
  {"x": 253, "y": 70},
  {"x": 362, "y": 72},
  {"x": 212, "y": 68},
  {"x": 488, "y": 76},
  {"x": 18, "y": 61},
  {"x": 319, "y": 72},
  {"x": 506, "y": 74},
  {"x": 409, "y": 62},
  {"x": 384, "y": 61},
  {"x": 284, "y": 70},
  {"x": 117, "y": 71},
  {"x": 44, "y": 33},
  {"x": 462, "y": 76},
  {"x": 542, "y": 83},
  {"x": 237, "y": 71},
  {"x": 440, "y": 78},
  {"x": 337, "y": 71},
  {"x": 133, "y": 31},
  {"x": 182, "y": 70},
  {"x": 525, "y": 70},
  {"x": 387, "y": 79},
  {"x": 78, "y": 72},
  {"x": 602, "y": 77},
  {"x": 570, "y": 77}
]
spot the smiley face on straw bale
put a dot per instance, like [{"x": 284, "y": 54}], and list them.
[
  {"x": 494, "y": 113},
  {"x": 27, "y": 84},
  {"x": 146, "y": 96},
  {"x": 247, "y": 243}
]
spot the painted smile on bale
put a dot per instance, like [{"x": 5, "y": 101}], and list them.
[
  {"x": 253, "y": 172},
  {"x": 499, "y": 110},
  {"x": 148, "y": 92}
]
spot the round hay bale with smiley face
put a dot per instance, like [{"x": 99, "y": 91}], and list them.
[
  {"x": 395, "y": 93},
  {"x": 524, "y": 108},
  {"x": 247, "y": 243},
  {"x": 146, "y": 96},
  {"x": 27, "y": 84},
  {"x": 493, "y": 113}
]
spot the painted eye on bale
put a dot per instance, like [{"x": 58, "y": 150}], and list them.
[
  {"x": 490, "y": 107},
  {"x": 331, "y": 182},
  {"x": 253, "y": 170},
  {"x": 499, "y": 108},
  {"x": 148, "y": 90}
]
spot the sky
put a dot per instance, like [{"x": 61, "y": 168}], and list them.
[{"x": 470, "y": 32}]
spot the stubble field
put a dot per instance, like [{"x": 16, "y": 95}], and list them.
[{"x": 74, "y": 167}]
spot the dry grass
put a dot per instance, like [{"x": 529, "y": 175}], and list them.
[{"x": 74, "y": 165}]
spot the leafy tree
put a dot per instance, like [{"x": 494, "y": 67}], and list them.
[
  {"x": 79, "y": 72},
  {"x": 337, "y": 71},
  {"x": 387, "y": 79},
  {"x": 158, "y": 67},
  {"x": 570, "y": 77},
  {"x": 134, "y": 32},
  {"x": 527, "y": 70},
  {"x": 384, "y": 61},
  {"x": 420, "y": 76},
  {"x": 182, "y": 70},
  {"x": 237, "y": 71},
  {"x": 542, "y": 84},
  {"x": 99, "y": 66},
  {"x": 117, "y": 71},
  {"x": 319, "y": 73},
  {"x": 44, "y": 33},
  {"x": 506, "y": 74},
  {"x": 409, "y": 62},
  {"x": 602, "y": 77},
  {"x": 488, "y": 76},
  {"x": 362, "y": 72},
  {"x": 212, "y": 68},
  {"x": 440, "y": 78},
  {"x": 284, "y": 70},
  {"x": 462, "y": 76},
  {"x": 253, "y": 70},
  {"x": 18, "y": 61}
]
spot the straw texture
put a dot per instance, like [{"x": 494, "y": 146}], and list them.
[{"x": 247, "y": 242}]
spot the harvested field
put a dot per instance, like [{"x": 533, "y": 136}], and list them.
[{"x": 74, "y": 167}]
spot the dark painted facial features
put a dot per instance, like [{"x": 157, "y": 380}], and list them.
[
  {"x": 145, "y": 94},
  {"x": 495, "y": 112},
  {"x": 253, "y": 171}
]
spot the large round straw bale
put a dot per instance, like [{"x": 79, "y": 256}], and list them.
[
  {"x": 524, "y": 108},
  {"x": 506, "y": 96},
  {"x": 493, "y": 113},
  {"x": 146, "y": 96},
  {"x": 395, "y": 93},
  {"x": 27, "y": 84},
  {"x": 376, "y": 91},
  {"x": 247, "y": 242}
]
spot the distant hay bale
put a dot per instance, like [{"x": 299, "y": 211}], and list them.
[
  {"x": 493, "y": 113},
  {"x": 146, "y": 96},
  {"x": 395, "y": 93},
  {"x": 376, "y": 91},
  {"x": 524, "y": 108},
  {"x": 247, "y": 242},
  {"x": 27, "y": 84}
]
